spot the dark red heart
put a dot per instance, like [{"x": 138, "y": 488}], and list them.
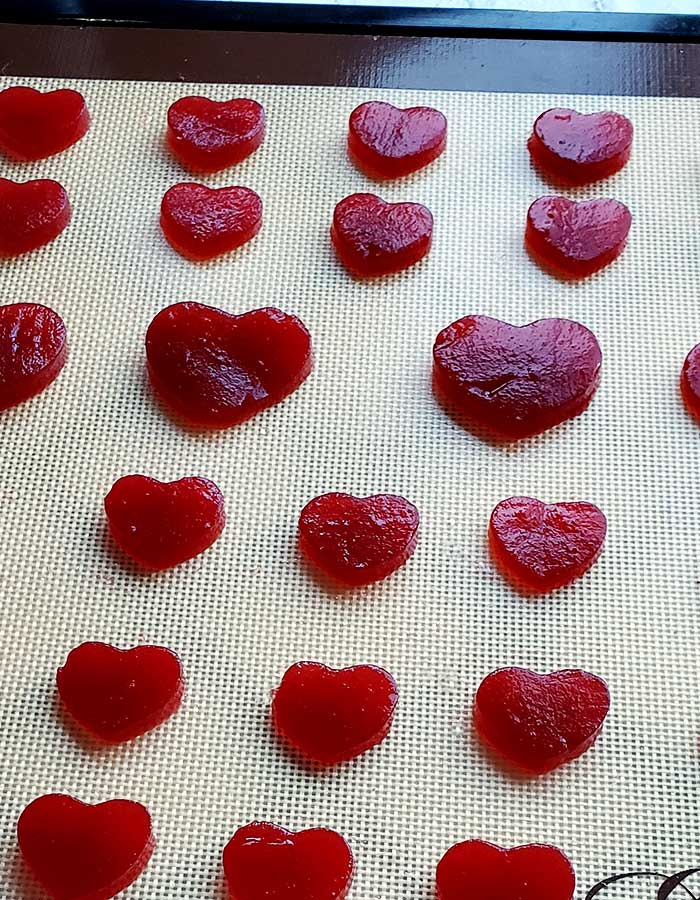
[
  {"x": 386, "y": 142},
  {"x": 32, "y": 214},
  {"x": 332, "y": 715},
  {"x": 208, "y": 136},
  {"x": 35, "y": 125},
  {"x": 690, "y": 382},
  {"x": 374, "y": 238},
  {"x": 265, "y": 862},
  {"x": 216, "y": 369},
  {"x": 33, "y": 350},
  {"x": 540, "y": 722},
  {"x": 162, "y": 524},
  {"x": 118, "y": 695},
  {"x": 81, "y": 852}
]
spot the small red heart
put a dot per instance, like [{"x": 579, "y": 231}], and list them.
[
  {"x": 208, "y": 136},
  {"x": 690, "y": 382},
  {"x": 545, "y": 546},
  {"x": 358, "y": 540},
  {"x": 32, "y": 214},
  {"x": 33, "y": 350},
  {"x": 81, "y": 852},
  {"x": 374, "y": 238},
  {"x": 540, "y": 722},
  {"x": 477, "y": 870},
  {"x": 35, "y": 125},
  {"x": 118, "y": 695},
  {"x": 516, "y": 381},
  {"x": 386, "y": 142},
  {"x": 576, "y": 239},
  {"x": 216, "y": 369},
  {"x": 332, "y": 715},
  {"x": 162, "y": 524},
  {"x": 577, "y": 148},
  {"x": 202, "y": 222},
  {"x": 264, "y": 862}
]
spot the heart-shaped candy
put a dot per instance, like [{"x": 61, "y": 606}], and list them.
[
  {"x": 162, "y": 524},
  {"x": 207, "y": 136},
  {"x": 265, "y": 862},
  {"x": 477, "y": 870},
  {"x": 358, "y": 540},
  {"x": 516, "y": 381},
  {"x": 386, "y": 142},
  {"x": 35, "y": 125},
  {"x": 690, "y": 382},
  {"x": 118, "y": 695},
  {"x": 33, "y": 350},
  {"x": 332, "y": 715},
  {"x": 374, "y": 238},
  {"x": 216, "y": 369},
  {"x": 202, "y": 222},
  {"x": 32, "y": 213},
  {"x": 81, "y": 852},
  {"x": 576, "y": 239},
  {"x": 540, "y": 722},
  {"x": 577, "y": 148}
]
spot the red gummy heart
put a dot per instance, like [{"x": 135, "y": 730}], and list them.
[
  {"x": 118, "y": 695},
  {"x": 210, "y": 136},
  {"x": 162, "y": 524},
  {"x": 690, "y": 382},
  {"x": 202, "y": 222},
  {"x": 516, "y": 381},
  {"x": 332, "y": 715},
  {"x": 81, "y": 852},
  {"x": 33, "y": 350},
  {"x": 373, "y": 238},
  {"x": 35, "y": 125},
  {"x": 576, "y": 239},
  {"x": 358, "y": 540},
  {"x": 545, "y": 546},
  {"x": 32, "y": 214},
  {"x": 540, "y": 722},
  {"x": 477, "y": 870},
  {"x": 579, "y": 149},
  {"x": 264, "y": 862},
  {"x": 216, "y": 369},
  {"x": 386, "y": 142}
]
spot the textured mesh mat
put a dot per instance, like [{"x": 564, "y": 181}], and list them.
[{"x": 364, "y": 422}]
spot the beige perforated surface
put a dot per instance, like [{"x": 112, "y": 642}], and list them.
[{"x": 364, "y": 422}]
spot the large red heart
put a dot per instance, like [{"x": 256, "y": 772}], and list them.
[
  {"x": 540, "y": 722},
  {"x": 35, "y": 125},
  {"x": 32, "y": 214},
  {"x": 82, "y": 852},
  {"x": 33, "y": 350},
  {"x": 477, "y": 870},
  {"x": 216, "y": 369},
  {"x": 118, "y": 695},
  {"x": 332, "y": 715},
  {"x": 208, "y": 136},
  {"x": 265, "y": 862},
  {"x": 516, "y": 381},
  {"x": 690, "y": 382}
]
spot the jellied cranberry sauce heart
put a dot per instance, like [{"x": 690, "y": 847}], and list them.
[
  {"x": 32, "y": 214},
  {"x": 35, "y": 125},
  {"x": 33, "y": 350},
  {"x": 208, "y": 136},
  {"x": 690, "y": 382}
]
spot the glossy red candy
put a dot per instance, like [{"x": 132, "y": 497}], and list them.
[
  {"x": 386, "y": 142},
  {"x": 358, "y": 540},
  {"x": 477, "y": 870},
  {"x": 208, "y": 136},
  {"x": 264, "y": 862},
  {"x": 516, "y": 381},
  {"x": 202, "y": 222},
  {"x": 216, "y": 369},
  {"x": 573, "y": 239},
  {"x": 540, "y": 722},
  {"x": 33, "y": 350},
  {"x": 32, "y": 213},
  {"x": 577, "y": 148},
  {"x": 118, "y": 695},
  {"x": 81, "y": 852},
  {"x": 545, "y": 546},
  {"x": 374, "y": 238},
  {"x": 690, "y": 382},
  {"x": 332, "y": 715},
  {"x": 162, "y": 524},
  {"x": 35, "y": 125}
]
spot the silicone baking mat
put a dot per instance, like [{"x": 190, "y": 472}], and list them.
[{"x": 364, "y": 422}]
